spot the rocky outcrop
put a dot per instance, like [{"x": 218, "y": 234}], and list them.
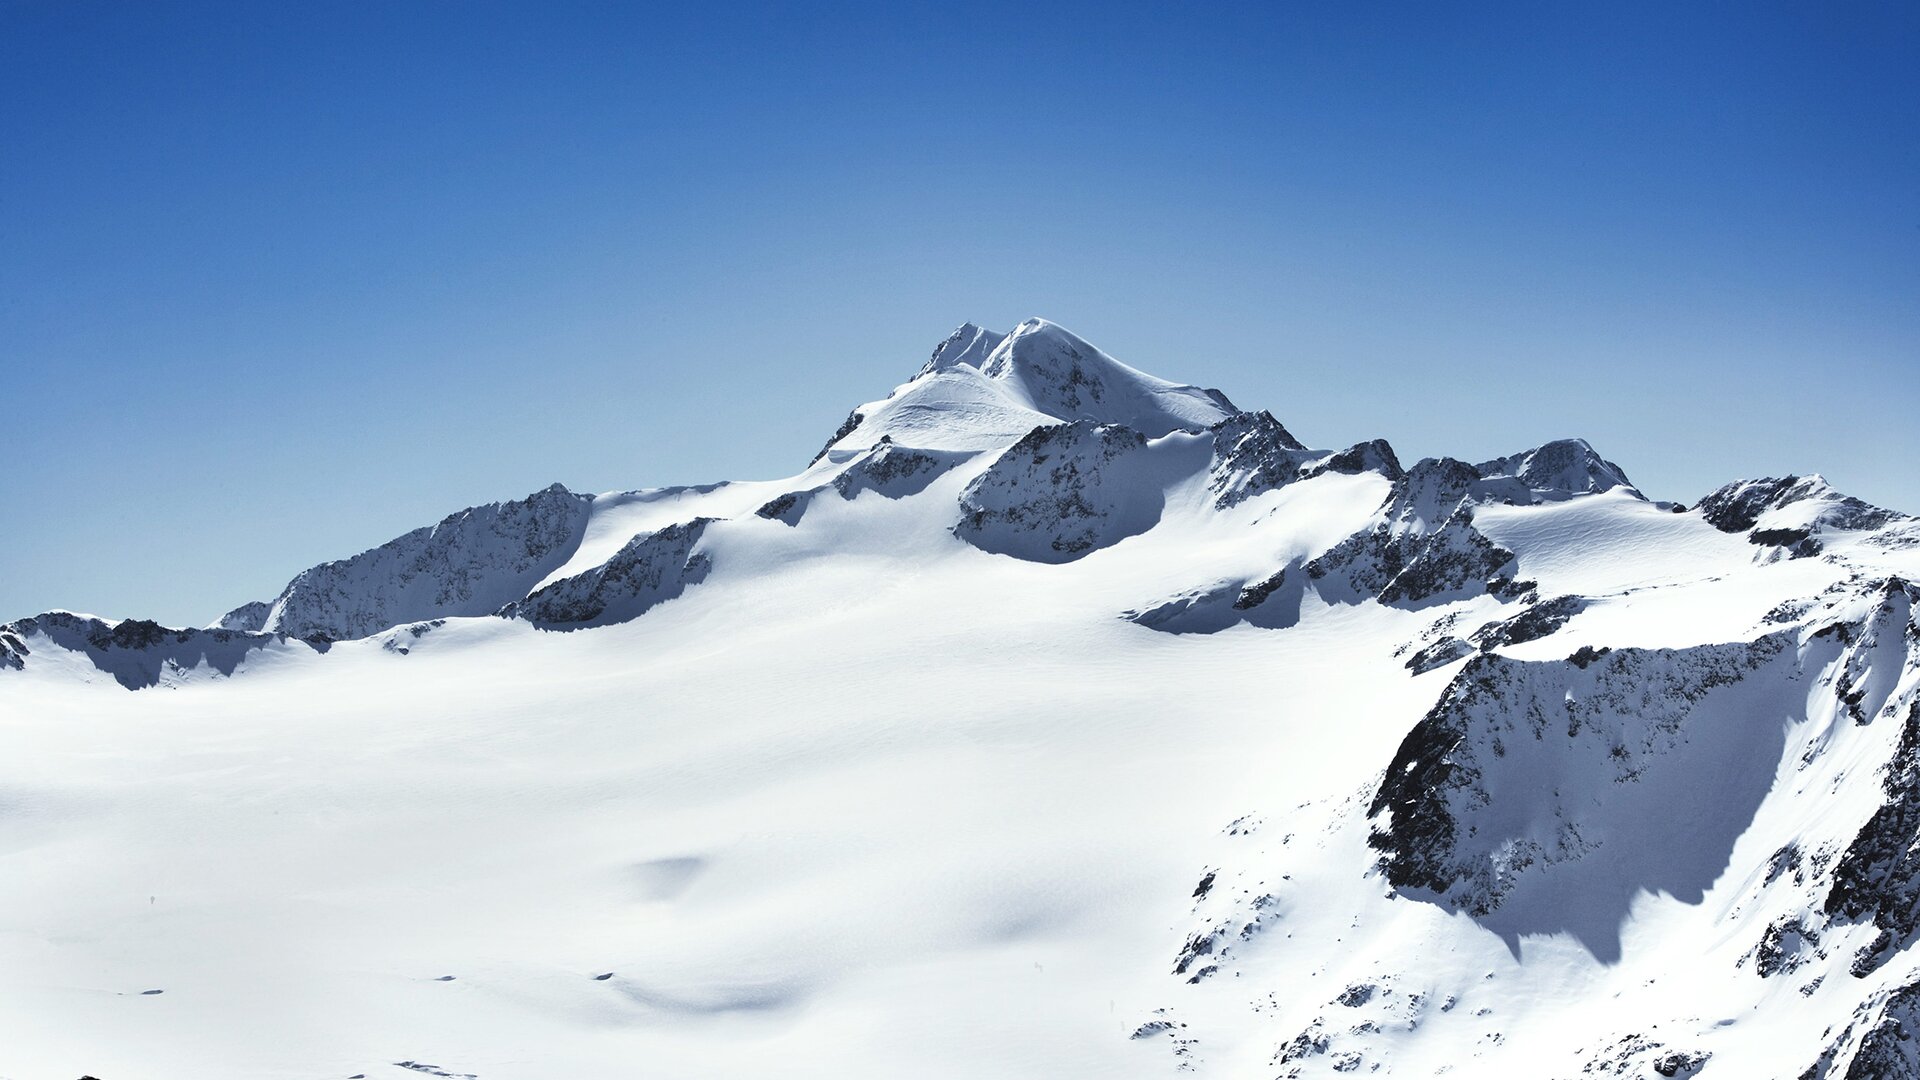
[
  {"x": 649, "y": 570},
  {"x": 1531, "y": 780},
  {"x": 1253, "y": 453},
  {"x": 1808, "y": 504},
  {"x": 1557, "y": 470},
  {"x": 1060, "y": 493},
  {"x": 137, "y": 653}
]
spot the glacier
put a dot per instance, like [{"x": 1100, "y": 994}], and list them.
[{"x": 1056, "y": 720}]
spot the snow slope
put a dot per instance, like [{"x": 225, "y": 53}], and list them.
[{"x": 1056, "y": 721}]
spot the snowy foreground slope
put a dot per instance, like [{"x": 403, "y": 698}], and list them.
[{"x": 1056, "y": 721}]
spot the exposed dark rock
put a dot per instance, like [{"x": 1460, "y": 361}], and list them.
[
  {"x": 1878, "y": 877},
  {"x": 1425, "y": 547},
  {"x": 1253, "y": 453},
  {"x": 1439, "y": 655},
  {"x": 1254, "y": 595},
  {"x": 650, "y": 569},
  {"x": 1626, "y": 712},
  {"x": 468, "y": 564},
  {"x": 1198, "y": 945},
  {"x": 1586, "y": 655},
  {"x": 894, "y": 471},
  {"x": 137, "y": 652},
  {"x": 845, "y": 429},
  {"x": 1357, "y": 995},
  {"x": 785, "y": 508},
  {"x": 1680, "y": 1063},
  {"x": 1784, "y": 946},
  {"x": 1538, "y": 621},
  {"x": 1372, "y": 456},
  {"x": 1740, "y": 505},
  {"x": 251, "y": 616},
  {"x": 1557, "y": 470},
  {"x": 1799, "y": 543},
  {"x": 1890, "y": 1049},
  {"x": 1059, "y": 493}
]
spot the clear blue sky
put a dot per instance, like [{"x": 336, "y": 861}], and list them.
[{"x": 280, "y": 281}]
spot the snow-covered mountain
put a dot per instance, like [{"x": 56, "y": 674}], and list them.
[{"x": 1056, "y": 720}]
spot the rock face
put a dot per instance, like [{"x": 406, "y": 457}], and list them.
[
  {"x": 1532, "y": 783},
  {"x": 981, "y": 391},
  {"x": 1747, "y": 504},
  {"x": 1877, "y": 878},
  {"x": 1060, "y": 493},
  {"x": 1558, "y": 470},
  {"x": 1494, "y": 711},
  {"x": 1884, "y": 1039},
  {"x": 1254, "y": 453},
  {"x": 1423, "y": 545},
  {"x": 967, "y": 346},
  {"x": 649, "y": 570},
  {"x": 1793, "y": 517},
  {"x": 889, "y": 470},
  {"x": 138, "y": 653},
  {"x": 469, "y": 564},
  {"x": 249, "y": 616}
]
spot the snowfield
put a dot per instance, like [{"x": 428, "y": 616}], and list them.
[{"x": 1057, "y": 721}]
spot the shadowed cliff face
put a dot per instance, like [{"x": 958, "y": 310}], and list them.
[{"x": 1531, "y": 794}]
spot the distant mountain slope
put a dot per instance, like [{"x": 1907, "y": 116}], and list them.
[{"x": 1056, "y": 720}]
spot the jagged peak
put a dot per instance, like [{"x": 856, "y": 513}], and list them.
[
  {"x": 982, "y": 390},
  {"x": 1742, "y": 504},
  {"x": 969, "y": 344},
  {"x": 1563, "y": 467}
]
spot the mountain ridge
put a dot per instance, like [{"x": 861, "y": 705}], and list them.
[{"x": 1076, "y": 748}]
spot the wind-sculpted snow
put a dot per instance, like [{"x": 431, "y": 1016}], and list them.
[
  {"x": 469, "y": 564},
  {"x": 138, "y": 653},
  {"x": 1530, "y": 796},
  {"x": 1062, "y": 492},
  {"x": 650, "y": 570},
  {"x": 1249, "y": 759}
]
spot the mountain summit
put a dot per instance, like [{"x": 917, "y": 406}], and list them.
[
  {"x": 1055, "y": 720},
  {"x": 981, "y": 389}
]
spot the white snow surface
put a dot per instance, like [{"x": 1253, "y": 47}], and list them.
[
  {"x": 861, "y": 791},
  {"x": 983, "y": 390}
]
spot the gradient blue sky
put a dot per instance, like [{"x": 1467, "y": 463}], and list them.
[{"x": 278, "y": 282}]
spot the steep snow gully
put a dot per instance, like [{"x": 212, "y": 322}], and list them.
[{"x": 1056, "y": 720}]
